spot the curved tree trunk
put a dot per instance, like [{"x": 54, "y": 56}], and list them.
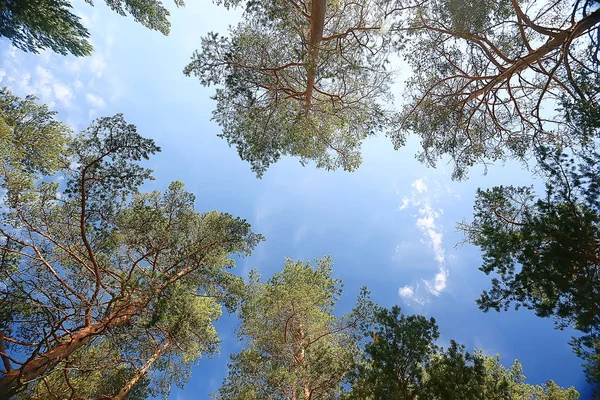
[{"x": 37, "y": 366}]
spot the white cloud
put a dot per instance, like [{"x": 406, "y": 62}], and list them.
[
  {"x": 97, "y": 65},
  {"x": 406, "y": 291},
  {"x": 420, "y": 185},
  {"x": 94, "y": 100},
  {"x": 43, "y": 74},
  {"x": 405, "y": 204},
  {"x": 427, "y": 222},
  {"x": 43, "y": 82},
  {"x": 63, "y": 93},
  {"x": 412, "y": 295},
  {"x": 427, "y": 225},
  {"x": 74, "y": 65},
  {"x": 439, "y": 283},
  {"x": 11, "y": 52}
]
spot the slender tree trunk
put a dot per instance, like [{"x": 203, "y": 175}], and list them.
[
  {"x": 127, "y": 388},
  {"x": 557, "y": 41},
  {"x": 34, "y": 368},
  {"x": 317, "y": 26}
]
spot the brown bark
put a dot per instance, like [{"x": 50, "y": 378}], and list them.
[
  {"x": 43, "y": 362},
  {"x": 3, "y": 355},
  {"x": 307, "y": 392},
  {"x": 127, "y": 388},
  {"x": 557, "y": 41},
  {"x": 317, "y": 26}
]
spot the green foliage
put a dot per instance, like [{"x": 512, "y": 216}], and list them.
[
  {"x": 36, "y": 25},
  {"x": 280, "y": 93},
  {"x": 295, "y": 346},
  {"x": 487, "y": 76},
  {"x": 402, "y": 361},
  {"x": 44, "y": 24},
  {"x": 393, "y": 364},
  {"x": 543, "y": 251},
  {"x": 178, "y": 320},
  {"x": 95, "y": 371},
  {"x": 32, "y": 142},
  {"x": 94, "y": 262}
]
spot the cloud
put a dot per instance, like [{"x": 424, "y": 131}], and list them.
[
  {"x": 439, "y": 283},
  {"x": 428, "y": 223},
  {"x": 412, "y": 294},
  {"x": 406, "y": 291},
  {"x": 420, "y": 185},
  {"x": 94, "y": 100},
  {"x": 405, "y": 204},
  {"x": 63, "y": 94},
  {"x": 97, "y": 65}
]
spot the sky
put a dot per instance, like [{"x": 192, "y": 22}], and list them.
[{"x": 391, "y": 225}]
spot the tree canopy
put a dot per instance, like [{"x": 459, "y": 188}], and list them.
[
  {"x": 85, "y": 254},
  {"x": 296, "y": 348},
  {"x": 306, "y": 79},
  {"x": 490, "y": 79},
  {"x": 403, "y": 361},
  {"x": 543, "y": 251},
  {"x": 32, "y": 141},
  {"x": 36, "y": 25}
]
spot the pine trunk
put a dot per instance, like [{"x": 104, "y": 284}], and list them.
[
  {"x": 36, "y": 367},
  {"x": 317, "y": 26}
]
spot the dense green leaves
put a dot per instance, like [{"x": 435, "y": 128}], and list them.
[
  {"x": 36, "y": 25},
  {"x": 177, "y": 329},
  {"x": 303, "y": 79},
  {"x": 393, "y": 366},
  {"x": 44, "y": 24},
  {"x": 487, "y": 76},
  {"x": 309, "y": 79},
  {"x": 543, "y": 251},
  {"x": 91, "y": 257},
  {"x": 296, "y": 348},
  {"x": 403, "y": 361},
  {"x": 32, "y": 141}
]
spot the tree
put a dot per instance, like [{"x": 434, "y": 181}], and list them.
[
  {"x": 141, "y": 360},
  {"x": 543, "y": 252},
  {"x": 454, "y": 373},
  {"x": 393, "y": 364},
  {"x": 306, "y": 79},
  {"x": 488, "y": 76},
  {"x": 295, "y": 347},
  {"x": 34, "y": 25},
  {"x": 403, "y": 362},
  {"x": 32, "y": 141},
  {"x": 93, "y": 254}
]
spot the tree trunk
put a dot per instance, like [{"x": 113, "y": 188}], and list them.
[
  {"x": 16, "y": 378},
  {"x": 3, "y": 355},
  {"x": 127, "y": 388},
  {"x": 317, "y": 26}
]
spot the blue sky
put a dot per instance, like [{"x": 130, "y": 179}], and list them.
[{"x": 390, "y": 225}]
